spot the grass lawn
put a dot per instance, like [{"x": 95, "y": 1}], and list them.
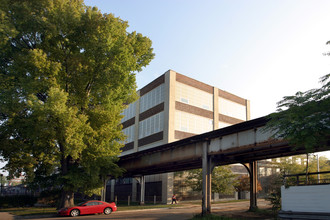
[
  {"x": 212, "y": 217},
  {"x": 52, "y": 211},
  {"x": 29, "y": 211}
]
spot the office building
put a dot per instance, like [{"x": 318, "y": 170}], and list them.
[{"x": 170, "y": 108}]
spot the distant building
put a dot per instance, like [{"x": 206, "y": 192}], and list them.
[{"x": 170, "y": 108}]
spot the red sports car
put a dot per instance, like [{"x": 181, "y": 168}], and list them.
[{"x": 89, "y": 207}]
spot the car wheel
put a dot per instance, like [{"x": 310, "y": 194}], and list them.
[
  {"x": 107, "y": 211},
  {"x": 74, "y": 212}
]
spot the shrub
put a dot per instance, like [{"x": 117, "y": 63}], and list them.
[{"x": 17, "y": 201}]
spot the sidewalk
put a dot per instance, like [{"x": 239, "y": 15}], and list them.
[{"x": 6, "y": 216}]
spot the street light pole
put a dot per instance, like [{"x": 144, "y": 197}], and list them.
[
  {"x": 1, "y": 176},
  {"x": 318, "y": 169}
]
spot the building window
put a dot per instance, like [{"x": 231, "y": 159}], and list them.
[
  {"x": 184, "y": 100},
  {"x": 152, "y": 98},
  {"x": 232, "y": 109},
  {"x": 151, "y": 125},
  {"x": 262, "y": 171},
  {"x": 191, "y": 123},
  {"x": 129, "y": 132},
  {"x": 129, "y": 112},
  {"x": 193, "y": 96}
]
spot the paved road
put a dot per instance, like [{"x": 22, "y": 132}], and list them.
[{"x": 184, "y": 212}]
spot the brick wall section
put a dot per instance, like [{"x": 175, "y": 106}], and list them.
[
  {"x": 193, "y": 110},
  {"x": 231, "y": 97},
  {"x": 228, "y": 119},
  {"x": 151, "y": 139},
  {"x": 194, "y": 83},
  {"x": 182, "y": 134},
  {"x": 128, "y": 123},
  {"x": 160, "y": 80},
  {"x": 150, "y": 112},
  {"x": 128, "y": 146}
]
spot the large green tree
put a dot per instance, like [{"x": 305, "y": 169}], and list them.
[
  {"x": 304, "y": 118},
  {"x": 66, "y": 71}
]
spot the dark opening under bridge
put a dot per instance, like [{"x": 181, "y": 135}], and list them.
[{"x": 244, "y": 143}]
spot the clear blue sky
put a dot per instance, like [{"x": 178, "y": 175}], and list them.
[{"x": 260, "y": 50}]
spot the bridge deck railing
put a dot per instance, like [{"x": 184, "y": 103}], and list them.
[{"x": 314, "y": 178}]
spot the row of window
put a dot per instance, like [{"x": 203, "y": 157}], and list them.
[
  {"x": 232, "y": 109},
  {"x": 192, "y": 123},
  {"x": 193, "y": 96},
  {"x": 129, "y": 112},
  {"x": 129, "y": 132},
  {"x": 147, "y": 101},
  {"x": 151, "y": 125},
  {"x": 152, "y": 98}
]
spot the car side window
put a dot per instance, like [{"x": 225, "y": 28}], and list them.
[{"x": 90, "y": 204}]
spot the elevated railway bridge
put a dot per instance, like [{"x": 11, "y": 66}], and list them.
[{"x": 244, "y": 143}]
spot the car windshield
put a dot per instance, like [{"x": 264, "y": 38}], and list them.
[{"x": 80, "y": 204}]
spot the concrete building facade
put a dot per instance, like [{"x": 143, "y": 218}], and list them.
[{"x": 170, "y": 108}]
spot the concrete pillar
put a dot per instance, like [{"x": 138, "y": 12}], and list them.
[
  {"x": 248, "y": 111},
  {"x": 169, "y": 106},
  {"x": 134, "y": 190},
  {"x": 142, "y": 184},
  {"x": 253, "y": 185},
  {"x": 215, "y": 108},
  {"x": 209, "y": 184},
  {"x": 167, "y": 187},
  {"x": 206, "y": 173}
]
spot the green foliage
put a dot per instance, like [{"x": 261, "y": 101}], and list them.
[
  {"x": 49, "y": 197},
  {"x": 304, "y": 119},
  {"x": 243, "y": 184},
  {"x": 274, "y": 198},
  {"x": 66, "y": 71},
  {"x": 17, "y": 201},
  {"x": 222, "y": 180}
]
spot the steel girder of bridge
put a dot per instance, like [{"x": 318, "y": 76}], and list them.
[{"x": 243, "y": 143}]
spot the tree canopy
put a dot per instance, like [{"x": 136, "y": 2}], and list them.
[
  {"x": 66, "y": 73},
  {"x": 222, "y": 180},
  {"x": 304, "y": 118}
]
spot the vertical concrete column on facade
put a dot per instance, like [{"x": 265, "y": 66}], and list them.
[
  {"x": 169, "y": 106},
  {"x": 215, "y": 108},
  {"x": 248, "y": 112},
  {"x": 206, "y": 173},
  {"x": 169, "y": 128},
  {"x": 253, "y": 185},
  {"x": 136, "y": 124}
]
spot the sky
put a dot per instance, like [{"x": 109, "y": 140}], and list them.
[{"x": 261, "y": 50}]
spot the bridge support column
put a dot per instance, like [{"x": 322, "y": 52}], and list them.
[
  {"x": 253, "y": 185},
  {"x": 143, "y": 187},
  {"x": 141, "y": 180},
  {"x": 207, "y": 168},
  {"x": 252, "y": 169}
]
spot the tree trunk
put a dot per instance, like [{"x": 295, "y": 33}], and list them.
[
  {"x": 67, "y": 196},
  {"x": 67, "y": 199}
]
